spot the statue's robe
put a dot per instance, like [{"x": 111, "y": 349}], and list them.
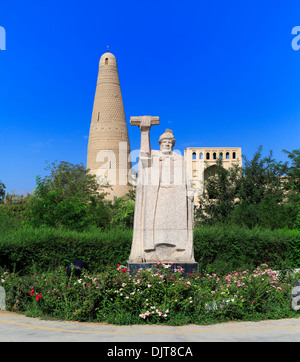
[{"x": 163, "y": 207}]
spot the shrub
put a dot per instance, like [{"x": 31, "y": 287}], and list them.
[
  {"x": 218, "y": 248},
  {"x": 47, "y": 248},
  {"x": 153, "y": 295},
  {"x": 223, "y": 247}
]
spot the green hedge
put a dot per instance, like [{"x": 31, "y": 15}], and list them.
[
  {"x": 47, "y": 248},
  {"x": 226, "y": 247},
  {"x": 217, "y": 248}
]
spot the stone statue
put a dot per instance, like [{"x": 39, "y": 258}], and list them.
[
  {"x": 163, "y": 219},
  {"x": 295, "y": 296}
]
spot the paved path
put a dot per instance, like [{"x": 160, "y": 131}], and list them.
[{"x": 18, "y": 328}]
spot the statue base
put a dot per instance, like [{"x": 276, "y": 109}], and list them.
[{"x": 188, "y": 268}]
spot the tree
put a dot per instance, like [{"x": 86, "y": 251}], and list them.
[
  {"x": 254, "y": 194},
  {"x": 69, "y": 196},
  {"x": 220, "y": 193},
  {"x": 261, "y": 194},
  {"x": 123, "y": 212},
  {"x": 261, "y": 176},
  {"x": 2, "y": 192},
  {"x": 292, "y": 184},
  {"x": 68, "y": 180}
]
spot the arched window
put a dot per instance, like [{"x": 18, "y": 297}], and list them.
[
  {"x": 207, "y": 155},
  {"x": 227, "y": 155},
  {"x": 221, "y": 155},
  {"x": 106, "y": 61},
  {"x": 214, "y": 156},
  {"x": 194, "y": 155},
  {"x": 201, "y": 156},
  {"x": 233, "y": 155}
]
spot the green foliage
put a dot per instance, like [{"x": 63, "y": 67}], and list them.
[
  {"x": 262, "y": 176},
  {"x": 293, "y": 171},
  {"x": 262, "y": 193},
  {"x": 297, "y": 221},
  {"x": 221, "y": 248},
  {"x": 123, "y": 212},
  {"x": 2, "y": 191},
  {"x": 266, "y": 214},
  {"x": 50, "y": 247},
  {"x": 217, "y": 247},
  {"x": 220, "y": 193},
  {"x": 67, "y": 197},
  {"x": 68, "y": 180}
]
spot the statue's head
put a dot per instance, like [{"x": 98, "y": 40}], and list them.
[{"x": 167, "y": 141}]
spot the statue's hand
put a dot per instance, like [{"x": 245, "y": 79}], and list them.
[{"x": 145, "y": 124}]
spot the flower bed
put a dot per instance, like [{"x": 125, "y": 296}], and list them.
[{"x": 154, "y": 295}]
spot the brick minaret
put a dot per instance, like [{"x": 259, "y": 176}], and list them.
[{"x": 108, "y": 147}]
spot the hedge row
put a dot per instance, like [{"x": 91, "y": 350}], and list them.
[
  {"x": 231, "y": 247},
  {"x": 217, "y": 248},
  {"x": 47, "y": 248}
]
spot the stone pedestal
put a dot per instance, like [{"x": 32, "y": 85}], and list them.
[
  {"x": 188, "y": 267},
  {"x": 2, "y": 299}
]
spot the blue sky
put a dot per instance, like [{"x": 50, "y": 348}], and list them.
[{"x": 217, "y": 73}]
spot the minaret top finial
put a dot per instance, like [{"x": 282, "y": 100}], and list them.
[{"x": 108, "y": 49}]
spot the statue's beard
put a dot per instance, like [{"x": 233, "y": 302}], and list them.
[{"x": 166, "y": 152}]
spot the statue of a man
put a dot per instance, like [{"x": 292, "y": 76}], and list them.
[{"x": 163, "y": 219}]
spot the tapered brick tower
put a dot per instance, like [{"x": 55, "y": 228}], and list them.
[{"x": 108, "y": 149}]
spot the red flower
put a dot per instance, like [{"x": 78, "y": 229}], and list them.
[
  {"x": 32, "y": 292},
  {"x": 38, "y": 296},
  {"x": 124, "y": 269}
]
